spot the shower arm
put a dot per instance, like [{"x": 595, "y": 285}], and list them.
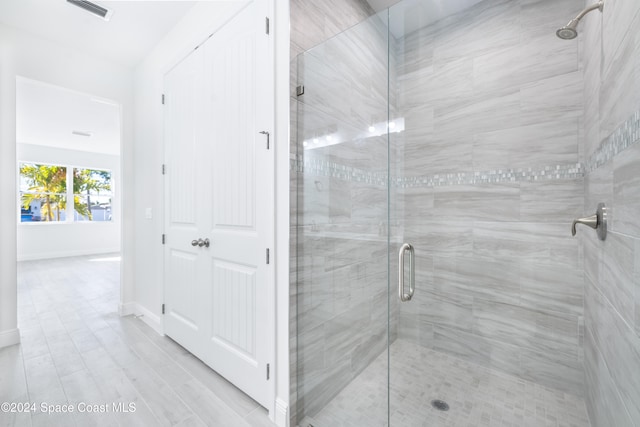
[{"x": 599, "y": 5}]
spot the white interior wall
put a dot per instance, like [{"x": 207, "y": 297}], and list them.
[
  {"x": 25, "y": 55},
  {"x": 52, "y": 240}
]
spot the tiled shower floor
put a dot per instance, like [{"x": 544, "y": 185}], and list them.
[{"x": 477, "y": 396}]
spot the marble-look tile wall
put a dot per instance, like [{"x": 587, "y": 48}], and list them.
[
  {"x": 611, "y": 56},
  {"x": 493, "y": 105},
  {"x": 313, "y": 22}
]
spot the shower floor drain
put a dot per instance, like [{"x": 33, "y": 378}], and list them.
[{"x": 440, "y": 405}]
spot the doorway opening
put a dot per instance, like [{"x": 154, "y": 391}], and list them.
[{"x": 68, "y": 205}]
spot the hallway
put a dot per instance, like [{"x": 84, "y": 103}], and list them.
[{"x": 76, "y": 351}]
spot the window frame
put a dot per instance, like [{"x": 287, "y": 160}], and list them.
[{"x": 70, "y": 205}]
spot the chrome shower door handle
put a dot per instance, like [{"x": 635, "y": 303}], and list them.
[{"x": 406, "y": 247}]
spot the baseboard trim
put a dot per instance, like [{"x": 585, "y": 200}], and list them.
[
  {"x": 281, "y": 416},
  {"x": 127, "y": 309},
  {"x": 150, "y": 318},
  {"x": 10, "y": 337}
]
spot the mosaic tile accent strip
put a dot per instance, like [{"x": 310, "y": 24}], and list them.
[
  {"x": 627, "y": 134},
  {"x": 336, "y": 170},
  {"x": 543, "y": 173},
  {"x": 324, "y": 168},
  {"x": 622, "y": 138}
]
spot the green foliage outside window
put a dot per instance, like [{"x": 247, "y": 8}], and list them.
[
  {"x": 46, "y": 186},
  {"x": 87, "y": 183}
]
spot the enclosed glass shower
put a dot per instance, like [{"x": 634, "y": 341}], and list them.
[{"x": 438, "y": 166}]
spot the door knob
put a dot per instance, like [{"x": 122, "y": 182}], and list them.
[{"x": 201, "y": 242}]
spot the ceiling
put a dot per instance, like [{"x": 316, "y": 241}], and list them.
[
  {"x": 133, "y": 30},
  {"x": 47, "y": 115}
]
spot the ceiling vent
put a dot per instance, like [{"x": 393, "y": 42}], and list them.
[{"x": 93, "y": 8}]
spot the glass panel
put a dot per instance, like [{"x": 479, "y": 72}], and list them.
[
  {"x": 43, "y": 207},
  {"x": 92, "y": 194},
  {"x": 99, "y": 208},
  {"x": 341, "y": 229},
  {"x": 42, "y": 193},
  {"x": 488, "y": 179}
]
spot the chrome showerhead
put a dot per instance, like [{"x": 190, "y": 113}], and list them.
[{"x": 570, "y": 31}]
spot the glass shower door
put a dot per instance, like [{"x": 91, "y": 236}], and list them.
[
  {"x": 486, "y": 104},
  {"x": 341, "y": 185}
]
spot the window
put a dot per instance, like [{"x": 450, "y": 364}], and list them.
[
  {"x": 45, "y": 196},
  {"x": 43, "y": 193},
  {"x": 92, "y": 194}
]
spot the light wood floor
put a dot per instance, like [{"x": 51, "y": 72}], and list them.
[{"x": 77, "y": 351}]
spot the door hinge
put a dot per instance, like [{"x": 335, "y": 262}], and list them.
[
  {"x": 267, "y": 255},
  {"x": 264, "y": 132},
  {"x": 164, "y": 169},
  {"x": 162, "y": 308},
  {"x": 164, "y": 239},
  {"x": 300, "y": 90},
  {"x": 268, "y": 373},
  {"x": 266, "y": 28},
  {"x": 163, "y": 99}
]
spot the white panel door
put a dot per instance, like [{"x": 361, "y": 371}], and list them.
[
  {"x": 184, "y": 206},
  {"x": 238, "y": 81},
  {"x": 219, "y": 186}
]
